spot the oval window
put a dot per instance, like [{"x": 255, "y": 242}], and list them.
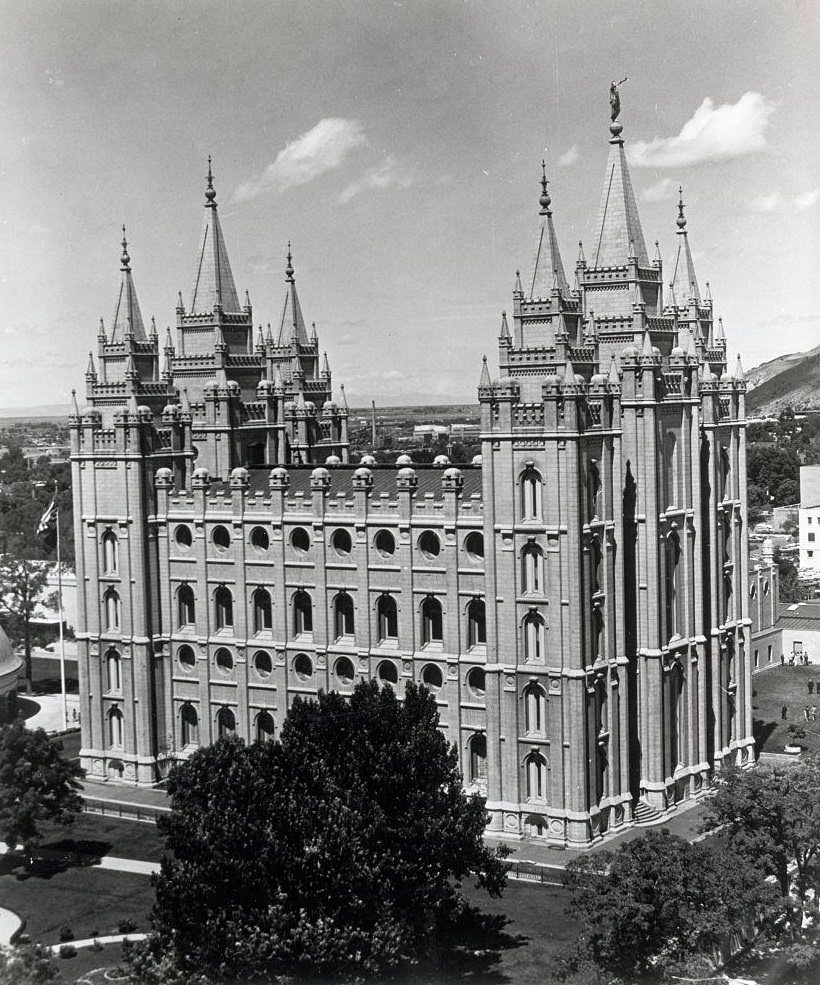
[
  {"x": 429, "y": 544},
  {"x": 343, "y": 668},
  {"x": 262, "y": 664},
  {"x": 260, "y": 540},
  {"x": 186, "y": 657},
  {"x": 221, "y": 538},
  {"x": 300, "y": 540},
  {"x": 432, "y": 677},
  {"x": 303, "y": 667},
  {"x": 183, "y": 537},
  {"x": 342, "y": 542},
  {"x": 474, "y": 545},
  {"x": 477, "y": 682},
  {"x": 224, "y": 660},
  {"x": 387, "y": 672},
  {"x": 385, "y": 543}
]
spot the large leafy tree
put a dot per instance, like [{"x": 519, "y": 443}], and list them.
[
  {"x": 21, "y": 587},
  {"x": 771, "y": 817},
  {"x": 340, "y": 848},
  {"x": 660, "y": 904},
  {"x": 36, "y": 785}
]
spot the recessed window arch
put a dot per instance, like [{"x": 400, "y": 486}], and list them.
[
  {"x": 532, "y": 570},
  {"x": 535, "y": 709},
  {"x": 593, "y": 489},
  {"x": 429, "y": 544},
  {"x": 302, "y": 613},
  {"x": 343, "y": 615},
  {"x": 677, "y": 730},
  {"x": 531, "y": 490},
  {"x": 674, "y": 598},
  {"x": 432, "y": 677},
  {"x": 671, "y": 469},
  {"x": 262, "y": 610},
  {"x": 224, "y": 660},
  {"x": 474, "y": 545},
  {"x": 223, "y": 607},
  {"x": 113, "y": 667},
  {"x": 111, "y": 604},
  {"x": 262, "y": 664},
  {"x": 387, "y": 672},
  {"x": 432, "y": 623},
  {"x": 111, "y": 552},
  {"x": 221, "y": 538},
  {"x": 115, "y": 728},
  {"x": 536, "y": 775},
  {"x": 260, "y": 540},
  {"x": 186, "y": 606},
  {"x": 189, "y": 725},
  {"x": 186, "y": 657},
  {"x": 387, "y": 615},
  {"x": 264, "y": 727},
  {"x": 534, "y": 638},
  {"x": 478, "y": 757},
  {"x": 345, "y": 671},
  {"x": 385, "y": 543},
  {"x": 477, "y": 682},
  {"x": 342, "y": 542},
  {"x": 303, "y": 667},
  {"x": 300, "y": 540},
  {"x": 597, "y": 633},
  {"x": 225, "y": 722},
  {"x": 183, "y": 537},
  {"x": 476, "y": 623}
]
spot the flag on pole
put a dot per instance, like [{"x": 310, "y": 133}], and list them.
[{"x": 48, "y": 518}]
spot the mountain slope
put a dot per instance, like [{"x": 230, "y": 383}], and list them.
[{"x": 789, "y": 380}]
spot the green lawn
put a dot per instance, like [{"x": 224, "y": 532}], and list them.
[
  {"x": 94, "y": 835},
  {"x": 778, "y": 687}
]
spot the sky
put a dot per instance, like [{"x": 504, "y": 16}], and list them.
[{"x": 398, "y": 146}]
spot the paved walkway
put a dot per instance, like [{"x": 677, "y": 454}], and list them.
[
  {"x": 113, "y": 863},
  {"x": 91, "y": 941},
  {"x": 10, "y": 923},
  {"x": 48, "y": 711}
]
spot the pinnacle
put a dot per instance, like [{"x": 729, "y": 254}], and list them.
[{"x": 485, "y": 373}]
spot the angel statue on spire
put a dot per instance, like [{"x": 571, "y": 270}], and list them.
[{"x": 615, "y": 99}]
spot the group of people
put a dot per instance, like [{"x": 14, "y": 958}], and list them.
[{"x": 800, "y": 659}]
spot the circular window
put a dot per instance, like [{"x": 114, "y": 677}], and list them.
[
  {"x": 343, "y": 668},
  {"x": 303, "y": 667},
  {"x": 387, "y": 672},
  {"x": 432, "y": 677},
  {"x": 262, "y": 664},
  {"x": 766, "y": 587},
  {"x": 183, "y": 537},
  {"x": 260, "y": 541},
  {"x": 429, "y": 544},
  {"x": 474, "y": 545},
  {"x": 342, "y": 542},
  {"x": 300, "y": 540},
  {"x": 753, "y": 591},
  {"x": 385, "y": 543},
  {"x": 476, "y": 681},
  {"x": 221, "y": 538},
  {"x": 224, "y": 660},
  {"x": 186, "y": 657}
]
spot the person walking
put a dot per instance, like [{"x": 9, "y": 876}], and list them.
[
  {"x": 806, "y": 713},
  {"x": 810, "y": 685},
  {"x": 814, "y": 713},
  {"x": 784, "y": 712}
]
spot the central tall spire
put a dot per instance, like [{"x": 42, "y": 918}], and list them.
[
  {"x": 213, "y": 281},
  {"x": 547, "y": 270},
  {"x": 684, "y": 281},
  {"x": 292, "y": 324},
  {"x": 127, "y": 315},
  {"x": 618, "y": 236}
]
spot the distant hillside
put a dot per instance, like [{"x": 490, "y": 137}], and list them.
[{"x": 789, "y": 380}]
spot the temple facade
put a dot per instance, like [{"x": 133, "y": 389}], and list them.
[{"x": 576, "y": 598}]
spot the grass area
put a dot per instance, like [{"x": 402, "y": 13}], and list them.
[
  {"x": 785, "y": 686},
  {"x": 94, "y": 835}
]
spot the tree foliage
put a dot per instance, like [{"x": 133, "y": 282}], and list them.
[
  {"x": 338, "y": 849},
  {"x": 21, "y": 588},
  {"x": 788, "y": 580},
  {"x": 36, "y": 785},
  {"x": 660, "y": 904},
  {"x": 776, "y": 471},
  {"x": 28, "y": 965}
]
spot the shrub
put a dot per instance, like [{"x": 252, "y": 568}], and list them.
[
  {"x": 66, "y": 933},
  {"x": 68, "y": 951},
  {"x": 127, "y": 926}
]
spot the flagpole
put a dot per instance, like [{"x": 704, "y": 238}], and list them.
[{"x": 60, "y": 603}]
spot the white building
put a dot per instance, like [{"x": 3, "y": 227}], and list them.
[{"x": 809, "y": 519}]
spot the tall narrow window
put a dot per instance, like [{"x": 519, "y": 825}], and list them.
[
  {"x": 478, "y": 758},
  {"x": 111, "y": 559},
  {"x": 531, "y": 495},
  {"x": 112, "y": 611},
  {"x": 533, "y": 570},
  {"x": 534, "y": 634},
  {"x": 185, "y": 606},
  {"x": 670, "y": 470},
  {"x": 476, "y": 623},
  {"x": 223, "y": 601},
  {"x": 593, "y": 490},
  {"x": 343, "y": 615},
  {"x": 225, "y": 722},
  {"x": 597, "y": 633},
  {"x": 677, "y": 729},
  {"x": 535, "y": 707},
  {"x": 536, "y": 768},
  {"x": 190, "y": 725},
  {"x": 262, "y": 610},
  {"x": 264, "y": 727},
  {"x": 431, "y": 621},
  {"x": 302, "y": 614},
  {"x": 115, "y": 729},
  {"x": 674, "y": 625},
  {"x": 113, "y": 668},
  {"x": 388, "y": 618}
]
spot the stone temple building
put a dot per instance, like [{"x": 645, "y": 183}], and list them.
[{"x": 575, "y": 599}]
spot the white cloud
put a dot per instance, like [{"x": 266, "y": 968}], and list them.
[
  {"x": 776, "y": 201},
  {"x": 318, "y": 150},
  {"x": 569, "y": 157},
  {"x": 714, "y": 132},
  {"x": 663, "y": 189},
  {"x": 379, "y": 176}
]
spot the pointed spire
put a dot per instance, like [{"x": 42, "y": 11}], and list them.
[
  {"x": 186, "y": 403},
  {"x": 133, "y": 409},
  {"x": 591, "y": 327},
  {"x": 637, "y": 300},
  {"x": 619, "y": 224},
  {"x": 300, "y": 400},
  {"x": 518, "y": 289},
  {"x": 169, "y": 343},
  {"x": 127, "y": 315},
  {"x": 505, "y": 330},
  {"x": 313, "y": 336},
  {"x": 547, "y": 268},
  {"x": 344, "y": 396},
  {"x": 683, "y": 279},
  {"x": 247, "y": 301},
  {"x": 219, "y": 342},
  {"x": 130, "y": 368},
  {"x": 260, "y": 342},
  {"x": 569, "y": 374},
  {"x": 647, "y": 351},
  {"x": 707, "y": 297},
  {"x": 656, "y": 262},
  {"x": 167, "y": 370},
  {"x": 740, "y": 376},
  {"x": 720, "y": 334},
  {"x": 277, "y": 379},
  {"x": 75, "y": 410},
  {"x": 292, "y": 323},
  {"x": 582, "y": 260},
  {"x": 91, "y": 371},
  {"x": 268, "y": 336},
  {"x": 485, "y": 373},
  {"x": 213, "y": 280},
  {"x": 180, "y": 303},
  {"x": 153, "y": 327},
  {"x": 101, "y": 334},
  {"x": 614, "y": 376},
  {"x": 325, "y": 365}
]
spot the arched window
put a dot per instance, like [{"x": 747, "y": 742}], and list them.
[
  {"x": 115, "y": 730},
  {"x": 264, "y": 727},
  {"x": 593, "y": 490},
  {"x": 262, "y": 610},
  {"x": 190, "y": 725},
  {"x": 111, "y": 553},
  {"x": 225, "y": 722},
  {"x": 535, "y": 708},
  {"x": 302, "y": 614},
  {"x": 670, "y": 470},
  {"x": 223, "y": 602},
  {"x": 597, "y": 631},
  {"x": 725, "y": 466},
  {"x": 536, "y": 768},
  {"x": 534, "y": 638},
  {"x": 388, "y": 618},
  {"x": 112, "y": 611},
  {"x": 532, "y": 559},
  {"x": 113, "y": 670},
  {"x": 531, "y": 495},
  {"x": 478, "y": 758},
  {"x": 431, "y": 621},
  {"x": 674, "y": 625},
  {"x": 476, "y": 623},
  {"x": 343, "y": 615},
  {"x": 677, "y": 729},
  {"x": 186, "y": 610}
]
